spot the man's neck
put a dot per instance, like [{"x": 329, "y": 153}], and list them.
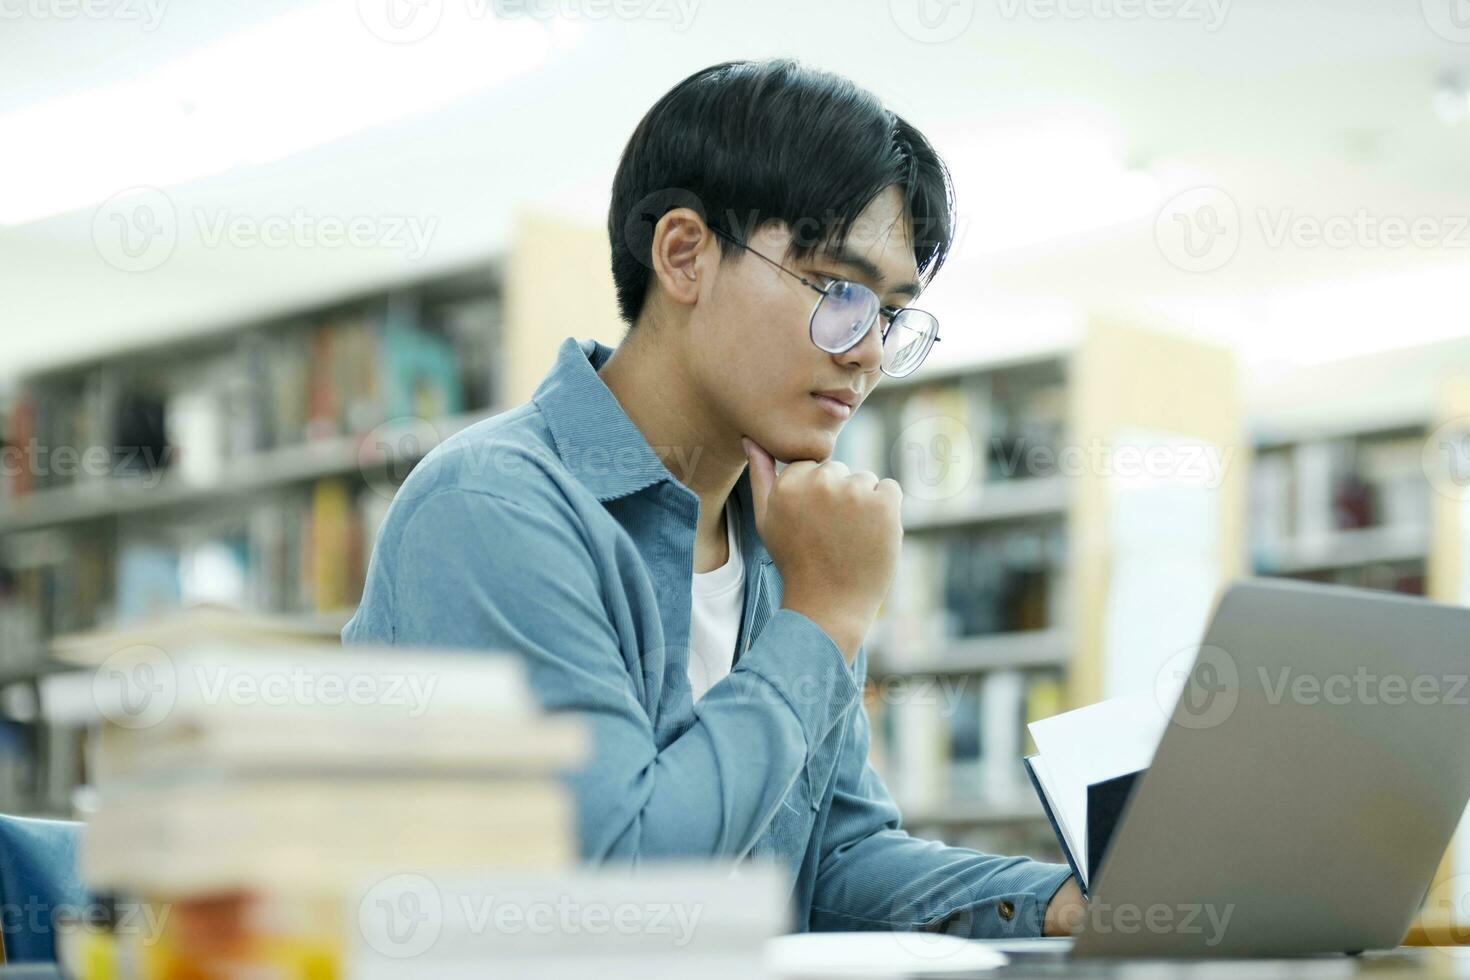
[{"x": 650, "y": 382}]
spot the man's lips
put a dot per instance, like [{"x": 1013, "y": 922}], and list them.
[
  {"x": 846, "y": 396},
  {"x": 834, "y": 406}
]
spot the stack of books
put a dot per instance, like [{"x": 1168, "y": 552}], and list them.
[
  {"x": 248, "y": 781},
  {"x": 268, "y": 804}
]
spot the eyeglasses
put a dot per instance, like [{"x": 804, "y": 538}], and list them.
[{"x": 845, "y": 311}]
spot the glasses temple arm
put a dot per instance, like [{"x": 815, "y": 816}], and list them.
[{"x": 795, "y": 275}]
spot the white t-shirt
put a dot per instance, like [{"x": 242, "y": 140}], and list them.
[{"x": 714, "y": 614}]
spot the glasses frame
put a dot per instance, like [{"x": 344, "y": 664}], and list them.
[{"x": 886, "y": 313}]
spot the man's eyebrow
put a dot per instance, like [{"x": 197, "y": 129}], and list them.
[{"x": 861, "y": 263}]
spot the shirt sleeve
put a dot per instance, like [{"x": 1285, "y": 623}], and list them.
[
  {"x": 874, "y": 875},
  {"x": 477, "y": 570}
]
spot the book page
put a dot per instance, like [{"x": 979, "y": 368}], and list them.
[{"x": 1091, "y": 744}]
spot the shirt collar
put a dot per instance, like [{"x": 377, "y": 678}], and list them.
[
  {"x": 593, "y": 435},
  {"x": 601, "y": 446}
]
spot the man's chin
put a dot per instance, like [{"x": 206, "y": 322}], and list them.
[{"x": 816, "y": 446}]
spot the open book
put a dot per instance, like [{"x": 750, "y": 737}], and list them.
[{"x": 1084, "y": 770}]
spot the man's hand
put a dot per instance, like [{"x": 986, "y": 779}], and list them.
[
  {"x": 1065, "y": 910},
  {"x": 835, "y": 537}
]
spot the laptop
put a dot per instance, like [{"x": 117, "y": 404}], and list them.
[{"x": 1313, "y": 771}]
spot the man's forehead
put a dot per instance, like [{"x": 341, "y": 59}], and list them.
[
  {"x": 879, "y": 250},
  {"x": 874, "y": 232}
]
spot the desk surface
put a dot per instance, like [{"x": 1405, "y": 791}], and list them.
[{"x": 1402, "y": 962}]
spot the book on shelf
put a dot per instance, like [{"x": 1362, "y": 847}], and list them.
[
  {"x": 194, "y": 413},
  {"x": 297, "y": 550},
  {"x": 958, "y": 739},
  {"x": 1003, "y": 714},
  {"x": 1346, "y": 510},
  {"x": 1028, "y": 417},
  {"x": 935, "y": 452},
  {"x": 973, "y": 583},
  {"x": 949, "y": 442},
  {"x": 1312, "y": 489}
]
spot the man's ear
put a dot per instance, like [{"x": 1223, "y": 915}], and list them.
[{"x": 679, "y": 239}]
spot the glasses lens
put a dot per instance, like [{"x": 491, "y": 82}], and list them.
[
  {"x": 843, "y": 314},
  {"x": 909, "y": 338}
]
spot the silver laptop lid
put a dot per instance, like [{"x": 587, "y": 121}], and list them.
[{"x": 1310, "y": 779}]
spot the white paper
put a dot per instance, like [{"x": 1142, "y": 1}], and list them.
[
  {"x": 876, "y": 954},
  {"x": 1088, "y": 745}
]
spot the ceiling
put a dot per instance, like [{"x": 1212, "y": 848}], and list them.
[{"x": 1067, "y": 134}]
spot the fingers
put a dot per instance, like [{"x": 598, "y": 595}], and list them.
[{"x": 762, "y": 476}]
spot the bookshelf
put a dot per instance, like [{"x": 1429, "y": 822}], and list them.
[
  {"x": 250, "y": 463},
  {"x": 1359, "y": 479},
  {"x": 1350, "y": 508},
  {"x": 247, "y": 465},
  {"x": 1019, "y": 573}
]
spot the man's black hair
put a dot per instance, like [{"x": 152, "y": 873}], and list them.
[{"x": 746, "y": 143}]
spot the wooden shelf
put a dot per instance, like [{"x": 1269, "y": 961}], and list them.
[
  {"x": 974, "y": 655},
  {"x": 25, "y": 672},
  {"x": 302, "y": 462},
  {"x": 1345, "y": 549}
]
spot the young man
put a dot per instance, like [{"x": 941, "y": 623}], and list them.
[{"x": 626, "y": 531}]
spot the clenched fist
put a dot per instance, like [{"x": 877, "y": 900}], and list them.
[{"x": 835, "y": 537}]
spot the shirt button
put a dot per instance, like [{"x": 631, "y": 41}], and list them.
[{"x": 1007, "y": 910}]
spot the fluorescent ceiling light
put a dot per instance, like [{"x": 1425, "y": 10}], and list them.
[
  {"x": 1043, "y": 180},
  {"x": 291, "y": 83},
  {"x": 1363, "y": 315}
]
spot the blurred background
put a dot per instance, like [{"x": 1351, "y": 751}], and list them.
[{"x": 1205, "y": 317}]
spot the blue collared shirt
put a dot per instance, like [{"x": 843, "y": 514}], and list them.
[{"x": 555, "y": 530}]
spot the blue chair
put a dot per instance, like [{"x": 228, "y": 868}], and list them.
[{"x": 38, "y": 875}]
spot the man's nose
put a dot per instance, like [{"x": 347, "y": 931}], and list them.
[{"x": 866, "y": 354}]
